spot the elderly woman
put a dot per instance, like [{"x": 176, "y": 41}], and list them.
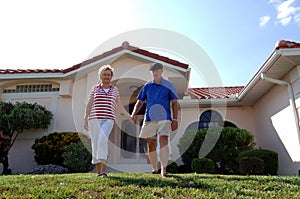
[{"x": 100, "y": 116}]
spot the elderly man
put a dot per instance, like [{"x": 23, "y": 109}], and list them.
[{"x": 160, "y": 96}]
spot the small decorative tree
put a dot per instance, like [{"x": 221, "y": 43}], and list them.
[{"x": 14, "y": 119}]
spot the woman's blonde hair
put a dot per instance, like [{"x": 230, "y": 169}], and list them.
[{"x": 104, "y": 68}]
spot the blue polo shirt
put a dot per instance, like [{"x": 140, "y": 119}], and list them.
[{"x": 158, "y": 98}]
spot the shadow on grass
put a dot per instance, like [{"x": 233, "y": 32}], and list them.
[
  {"x": 259, "y": 178},
  {"x": 174, "y": 181}
]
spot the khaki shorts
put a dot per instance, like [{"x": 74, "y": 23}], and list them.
[{"x": 152, "y": 128}]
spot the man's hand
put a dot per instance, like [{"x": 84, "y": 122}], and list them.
[
  {"x": 134, "y": 118},
  {"x": 174, "y": 125}
]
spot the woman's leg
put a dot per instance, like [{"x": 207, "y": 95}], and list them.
[
  {"x": 102, "y": 152},
  {"x": 94, "y": 136},
  {"x": 98, "y": 168}
]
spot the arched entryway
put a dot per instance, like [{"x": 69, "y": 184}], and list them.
[{"x": 132, "y": 148}]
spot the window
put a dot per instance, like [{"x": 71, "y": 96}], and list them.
[
  {"x": 32, "y": 88},
  {"x": 213, "y": 118},
  {"x": 210, "y": 118}
]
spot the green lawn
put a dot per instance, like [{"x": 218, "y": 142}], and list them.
[{"x": 142, "y": 185}]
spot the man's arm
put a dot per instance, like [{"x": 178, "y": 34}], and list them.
[
  {"x": 174, "y": 124},
  {"x": 137, "y": 107}
]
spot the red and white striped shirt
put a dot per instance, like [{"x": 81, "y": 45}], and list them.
[{"x": 104, "y": 103}]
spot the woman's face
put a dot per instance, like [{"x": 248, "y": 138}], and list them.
[{"x": 106, "y": 76}]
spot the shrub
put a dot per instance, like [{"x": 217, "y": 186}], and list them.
[
  {"x": 203, "y": 165},
  {"x": 77, "y": 158},
  {"x": 183, "y": 169},
  {"x": 171, "y": 168},
  {"x": 251, "y": 166},
  {"x": 50, "y": 148},
  {"x": 225, "y": 144},
  {"x": 49, "y": 169},
  {"x": 269, "y": 157}
]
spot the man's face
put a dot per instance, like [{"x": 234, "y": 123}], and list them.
[{"x": 157, "y": 73}]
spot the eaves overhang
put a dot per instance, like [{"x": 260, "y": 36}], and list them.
[
  {"x": 278, "y": 64},
  {"x": 201, "y": 103}
]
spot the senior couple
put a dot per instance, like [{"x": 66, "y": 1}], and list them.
[{"x": 160, "y": 97}]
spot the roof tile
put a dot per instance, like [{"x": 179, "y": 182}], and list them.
[
  {"x": 125, "y": 45},
  {"x": 21, "y": 71},
  {"x": 214, "y": 92},
  {"x": 286, "y": 44}
]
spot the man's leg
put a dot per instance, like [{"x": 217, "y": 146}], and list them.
[
  {"x": 164, "y": 154},
  {"x": 152, "y": 154}
]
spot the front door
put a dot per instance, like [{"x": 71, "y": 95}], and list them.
[{"x": 133, "y": 148}]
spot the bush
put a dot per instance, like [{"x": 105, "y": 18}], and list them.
[
  {"x": 269, "y": 157},
  {"x": 183, "y": 169},
  {"x": 203, "y": 165},
  {"x": 77, "y": 158},
  {"x": 251, "y": 166},
  {"x": 225, "y": 144},
  {"x": 49, "y": 169},
  {"x": 50, "y": 148},
  {"x": 171, "y": 168}
]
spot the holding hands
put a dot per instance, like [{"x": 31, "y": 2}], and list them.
[{"x": 134, "y": 118}]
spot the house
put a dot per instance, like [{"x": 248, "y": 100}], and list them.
[{"x": 267, "y": 106}]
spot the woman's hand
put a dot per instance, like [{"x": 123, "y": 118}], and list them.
[{"x": 86, "y": 125}]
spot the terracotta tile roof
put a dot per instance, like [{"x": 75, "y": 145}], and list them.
[
  {"x": 214, "y": 92},
  {"x": 125, "y": 46},
  {"x": 286, "y": 44},
  {"x": 19, "y": 71}
]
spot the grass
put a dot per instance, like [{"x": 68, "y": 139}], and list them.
[{"x": 144, "y": 185}]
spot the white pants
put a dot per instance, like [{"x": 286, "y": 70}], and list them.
[{"x": 99, "y": 133}]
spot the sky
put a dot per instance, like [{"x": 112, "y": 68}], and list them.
[{"x": 237, "y": 35}]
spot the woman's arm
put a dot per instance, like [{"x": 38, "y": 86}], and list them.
[
  {"x": 121, "y": 108},
  {"x": 87, "y": 112}
]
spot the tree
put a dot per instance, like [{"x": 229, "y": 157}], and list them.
[{"x": 14, "y": 119}]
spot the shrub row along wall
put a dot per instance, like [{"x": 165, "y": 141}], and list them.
[
  {"x": 231, "y": 145},
  {"x": 67, "y": 149}
]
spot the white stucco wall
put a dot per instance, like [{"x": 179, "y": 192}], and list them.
[
  {"x": 242, "y": 117},
  {"x": 64, "y": 121},
  {"x": 276, "y": 129}
]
